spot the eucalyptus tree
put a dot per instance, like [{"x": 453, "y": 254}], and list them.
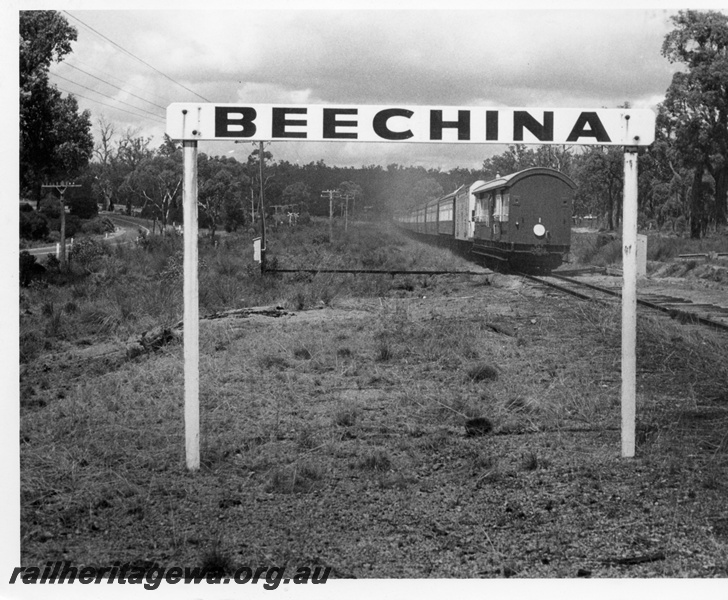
[
  {"x": 55, "y": 138},
  {"x": 696, "y": 105}
]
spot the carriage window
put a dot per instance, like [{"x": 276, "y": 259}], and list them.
[
  {"x": 501, "y": 208},
  {"x": 482, "y": 210}
]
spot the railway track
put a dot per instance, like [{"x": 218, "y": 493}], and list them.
[{"x": 678, "y": 308}]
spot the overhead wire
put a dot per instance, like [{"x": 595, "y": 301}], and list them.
[
  {"x": 106, "y": 95},
  {"x": 110, "y": 76},
  {"x": 101, "y": 35},
  {"x": 114, "y": 86},
  {"x": 106, "y": 104}
]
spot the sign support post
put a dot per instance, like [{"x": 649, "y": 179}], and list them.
[
  {"x": 191, "y": 308},
  {"x": 629, "y": 302},
  {"x": 261, "y": 166}
]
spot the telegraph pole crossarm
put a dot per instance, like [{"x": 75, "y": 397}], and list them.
[{"x": 61, "y": 189}]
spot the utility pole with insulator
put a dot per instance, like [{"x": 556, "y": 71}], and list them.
[
  {"x": 330, "y": 194},
  {"x": 61, "y": 189}
]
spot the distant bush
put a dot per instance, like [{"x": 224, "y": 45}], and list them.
[
  {"x": 29, "y": 268},
  {"x": 98, "y": 226},
  {"x": 33, "y": 225},
  {"x": 51, "y": 207},
  {"x": 83, "y": 207},
  {"x": 73, "y": 225}
]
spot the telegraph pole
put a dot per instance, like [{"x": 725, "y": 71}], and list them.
[
  {"x": 346, "y": 212},
  {"x": 331, "y": 212},
  {"x": 61, "y": 189}
]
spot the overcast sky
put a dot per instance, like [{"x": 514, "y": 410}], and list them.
[{"x": 520, "y": 58}]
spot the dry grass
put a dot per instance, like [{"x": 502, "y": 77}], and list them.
[{"x": 326, "y": 432}]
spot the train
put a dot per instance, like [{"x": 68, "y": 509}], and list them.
[{"x": 519, "y": 222}]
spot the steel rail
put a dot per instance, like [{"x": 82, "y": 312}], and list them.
[{"x": 672, "y": 312}]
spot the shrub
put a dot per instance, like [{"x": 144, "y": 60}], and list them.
[
  {"x": 73, "y": 225},
  {"x": 98, "y": 226},
  {"x": 87, "y": 253},
  {"x": 31, "y": 344},
  {"x": 29, "y": 268}
]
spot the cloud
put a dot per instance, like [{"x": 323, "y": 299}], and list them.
[
  {"x": 431, "y": 57},
  {"x": 520, "y": 58}
]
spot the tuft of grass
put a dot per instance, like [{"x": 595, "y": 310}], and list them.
[
  {"x": 272, "y": 361},
  {"x": 346, "y": 417},
  {"x": 307, "y": 439},
  {"x": 302, "y": 353},
  {"x": 478, "y": 426},
  {"x": 531, "y": 461},
  {"x": 376, "y": 460},
  {"x": 217, "y": 562},
  {"x": 294, "y": 479},
  {"x": 384, "y": 351},
  {"x": 482, "y": 372}
]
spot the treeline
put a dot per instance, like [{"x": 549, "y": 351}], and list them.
[{"x": 683, "y": 176}]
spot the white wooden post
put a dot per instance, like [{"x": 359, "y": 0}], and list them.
[
  {"x": 191, "y": 308},
  {"x": 629, "y": 302}
]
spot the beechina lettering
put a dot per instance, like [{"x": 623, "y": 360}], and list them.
[{"x": 433, "y": 124}]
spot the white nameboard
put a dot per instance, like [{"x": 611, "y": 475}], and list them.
[{"x": 424, "y": 124}]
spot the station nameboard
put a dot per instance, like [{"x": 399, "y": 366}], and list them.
[{"x": 407, "y": 123}]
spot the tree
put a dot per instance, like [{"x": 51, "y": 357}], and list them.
[
  {"x": 105, "y": 171},
  {"x": 132, "y": 153},
  {"x": 696, "y": 104},
  {"x": 55, "y": 139},
  {"x": 157, "y": 181},
  {"x": 297, "y": 194},
  {"x": 516, "y": 158},
  {"x": 216, "y": 192},
  {"x": 599, "y": 174}
]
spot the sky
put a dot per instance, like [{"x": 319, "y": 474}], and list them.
[{"x": 128, "y": 65}]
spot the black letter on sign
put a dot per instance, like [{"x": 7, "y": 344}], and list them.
[
  {"x": 280, "y": 123},
  {"x": 596, "y": 129},
  {"x": 380, "y": 124},
  {"x": 544, "y": 133},
  {"x": 437, "y": 124},
  {"x": 330, "y": 123},
  {"x": 491, "y": 125},
  {"x": 239, "y": 117}
]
